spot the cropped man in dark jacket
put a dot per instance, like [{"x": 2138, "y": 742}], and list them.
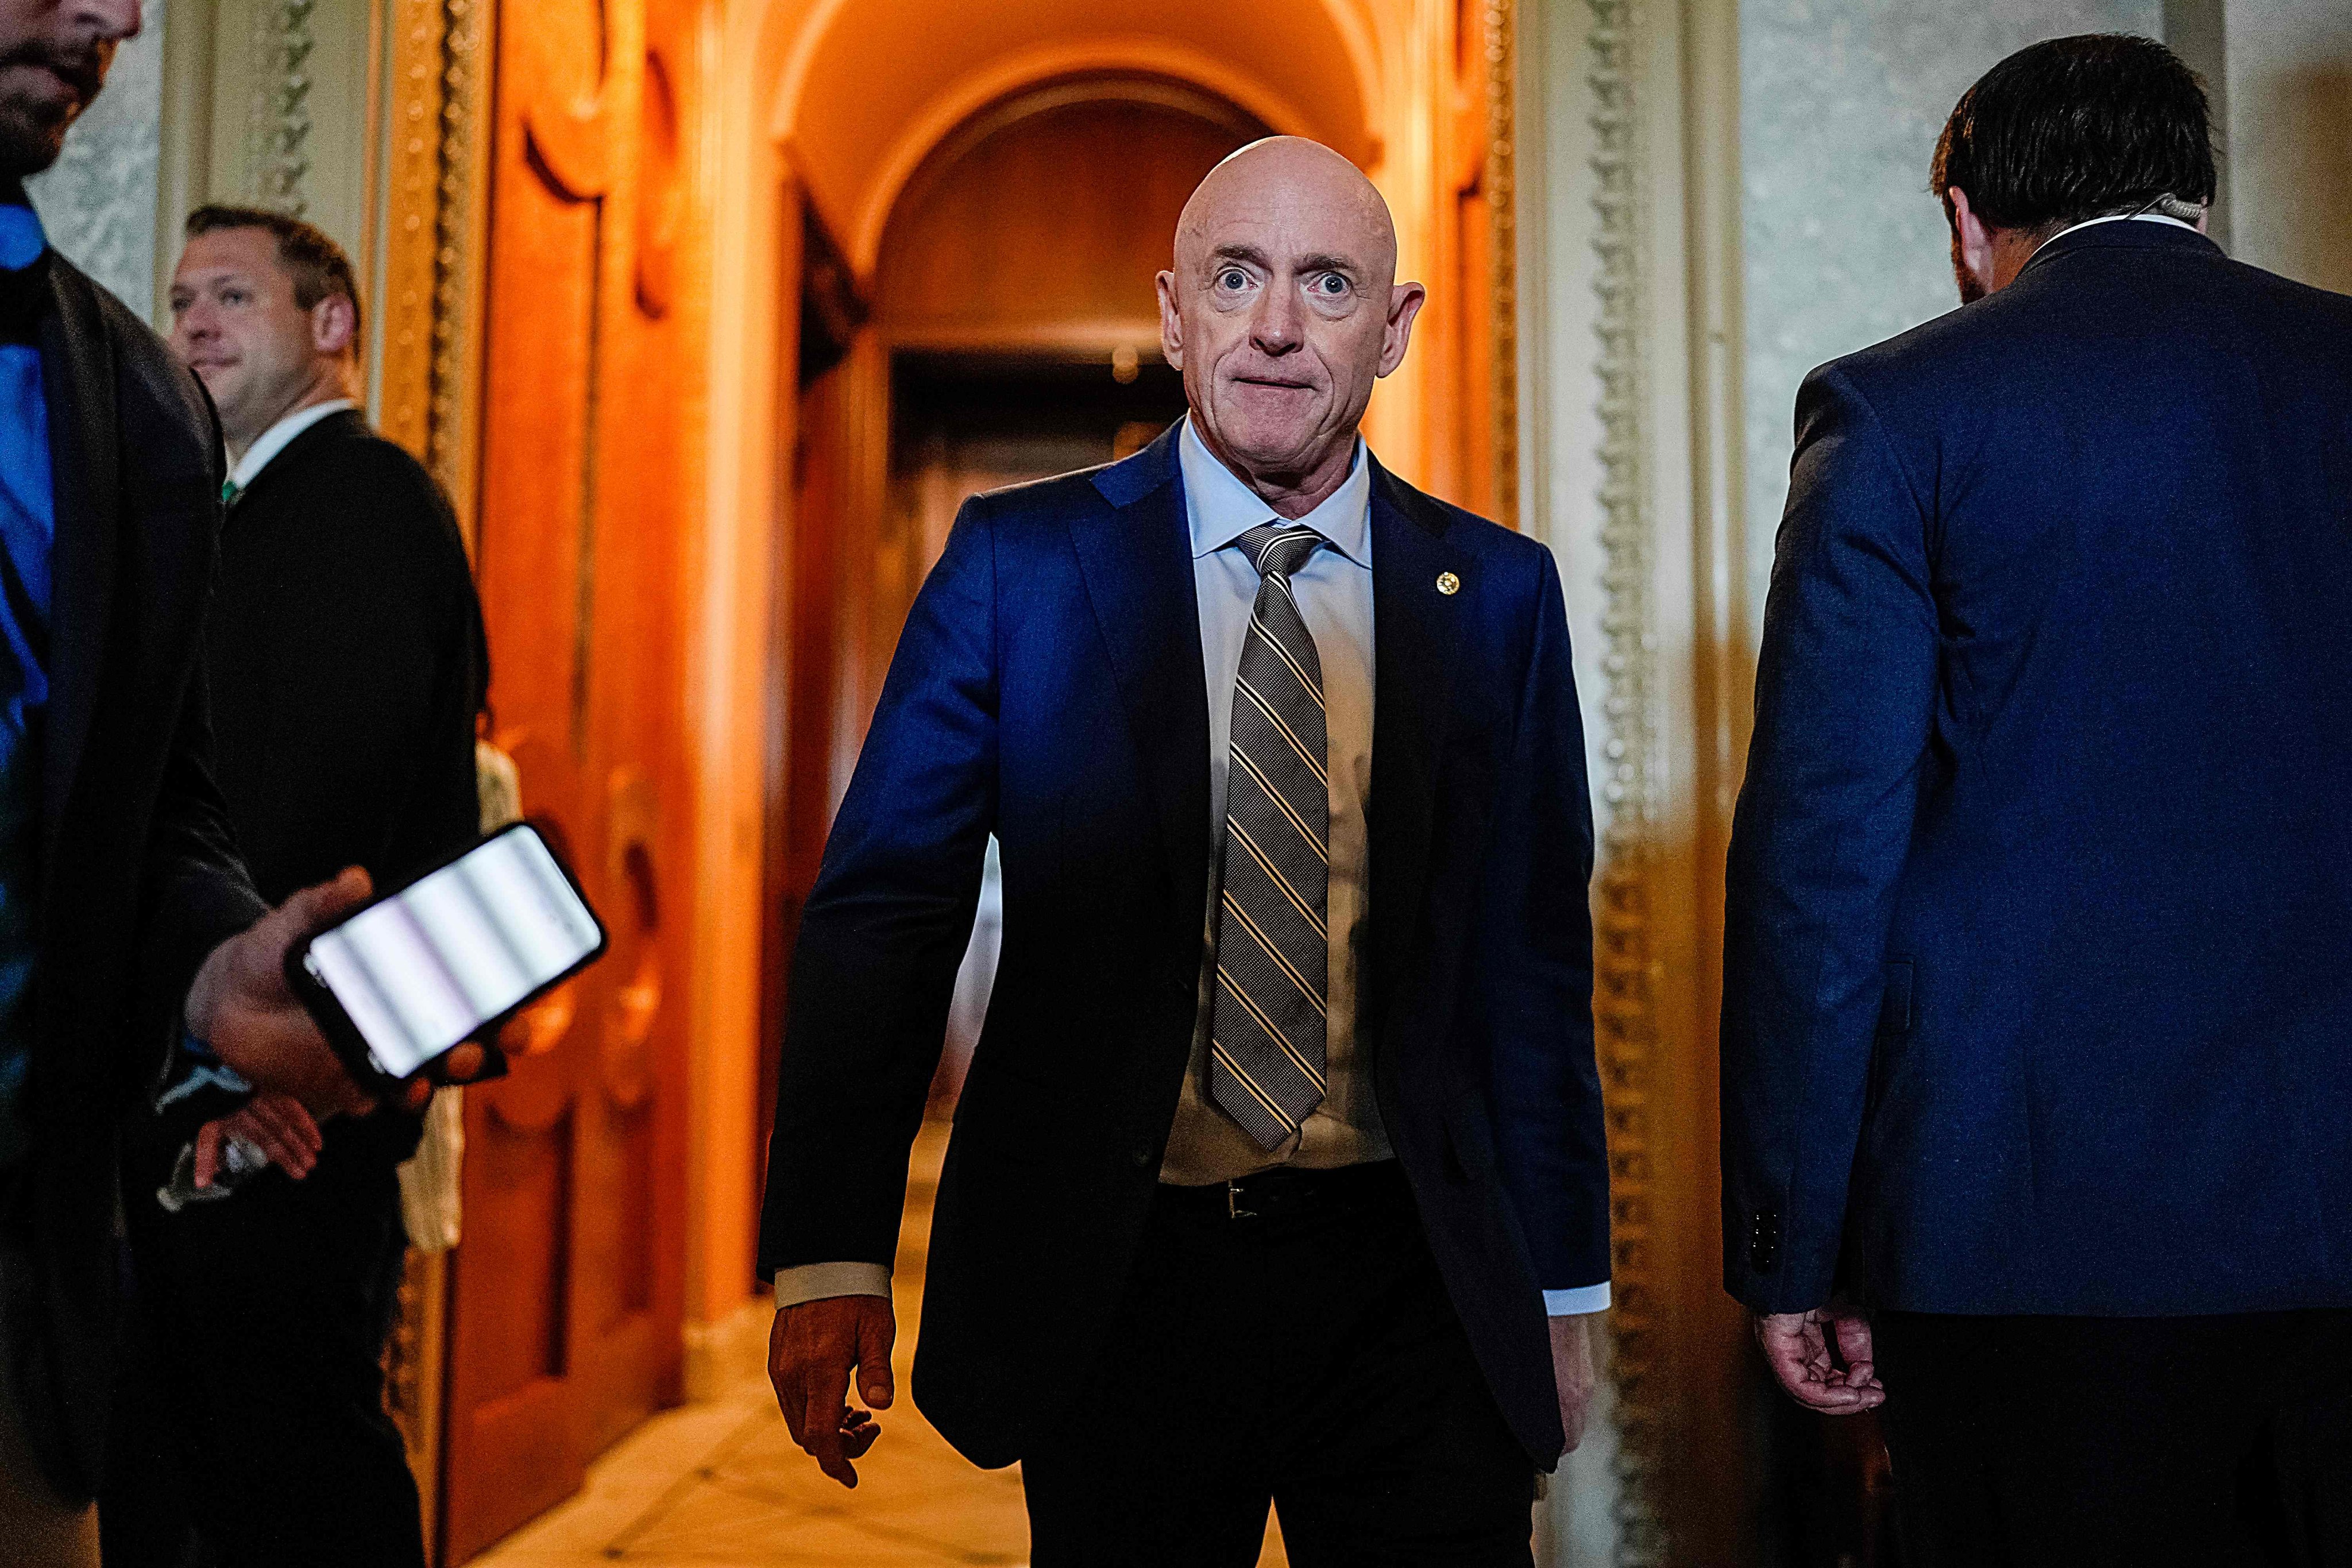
[
  {"x": 122, "y": 897},
  {"x": 344, "y": 658},
  {"x": 2036, "y": 1005}
]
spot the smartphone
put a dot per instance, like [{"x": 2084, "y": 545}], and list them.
[{"x": 407, "y": 977}]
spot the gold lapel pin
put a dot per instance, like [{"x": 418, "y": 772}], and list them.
[{"x": 1448, "y": 584}]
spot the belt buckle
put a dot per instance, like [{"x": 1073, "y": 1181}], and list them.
[{"x": 1234, "y": 1209}]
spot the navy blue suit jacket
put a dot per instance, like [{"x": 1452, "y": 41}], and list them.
[
  {"x": 2037, "y": 996},
  {"x": 1047, "y": 690}
]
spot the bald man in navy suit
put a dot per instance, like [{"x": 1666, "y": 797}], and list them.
[{"x": 1279, "y": 1174}]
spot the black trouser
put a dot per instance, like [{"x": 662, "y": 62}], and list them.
[
  {"x": 1308, "y": 1358},
  {"x": 2079, "y": 1442},
  {"x": 251, "y": 1415}
]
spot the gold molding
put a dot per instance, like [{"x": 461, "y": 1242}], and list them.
[
  {"x": 1502, "y": 205},
  {"x": 412, "y": 232},
  {"x": 434, "y": 237},
  {"x": 428, "y": 397},
  {"x": 1625, "y": 1003},
  {"x": 413, "y": 1359},
  {"x": 461, "y": 218}
]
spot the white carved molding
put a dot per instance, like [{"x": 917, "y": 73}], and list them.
[
  {"x": 278, "y": 120},
  {"x": 1628, "y": 250}
]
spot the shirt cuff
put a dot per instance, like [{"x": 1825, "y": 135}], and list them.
[
  {"x": 1576, "y": 1303},
  {"x": 194, "y": 1069},
  {"x": 815, "y": 1281}
]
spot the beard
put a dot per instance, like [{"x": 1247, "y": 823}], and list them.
[
  {"x": 32, "y": 127},
  {"x": 1971, "y": 290}
]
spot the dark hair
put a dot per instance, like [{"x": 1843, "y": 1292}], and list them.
[
  {"x": 316, "y": 263},
  {"x": 2079, "y": 128}
]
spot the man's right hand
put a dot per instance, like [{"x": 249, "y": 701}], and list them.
[
  {"x": 811, "y": 1351},
  {"x": 1823, "y": 1359},
  {"x": 241, "y": 1007}
]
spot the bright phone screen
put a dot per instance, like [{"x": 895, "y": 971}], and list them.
[{"x": 423, "y": 970}]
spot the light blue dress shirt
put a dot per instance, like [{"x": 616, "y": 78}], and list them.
[{"x": 27, "y": 538}]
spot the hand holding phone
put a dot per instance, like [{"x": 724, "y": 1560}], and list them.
[
  {"x": 399, "y": 984},
  {"x": 243, "y": 1010}
]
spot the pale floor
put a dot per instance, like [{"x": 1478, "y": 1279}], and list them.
[{"x": 721, "y": 1483}]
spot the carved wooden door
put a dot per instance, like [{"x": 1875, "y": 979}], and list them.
[{"x": 568, "y": 1283}]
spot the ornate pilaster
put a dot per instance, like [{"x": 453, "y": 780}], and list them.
[
  {"x": 1501, "y": 32},
  {"x": 432, "y": 247},
  {"x": 412, "y": 236},
  {"x": 457, "y": 258},
  {"x": 1625, "y": 974},
  {"x": 433, "y": 122},
  {"x": 278, "y": 124}
]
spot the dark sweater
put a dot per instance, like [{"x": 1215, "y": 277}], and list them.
[
  {"x": 345, "y": 650},
  {"x": 347, "y": 660}
]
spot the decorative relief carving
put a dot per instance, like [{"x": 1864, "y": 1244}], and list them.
[
  {"x": 412, "y": 233},
  {"x": 1625, "y": 1011},
  {"x": 661, "y": 185},
  {"x": 405, "y": 1355},
  {"x": 279, "y": 126},
  {"x": 1502, "y": 199},
  {"x": 432, "y": 132},
  {"x": 461, "y": 48}
]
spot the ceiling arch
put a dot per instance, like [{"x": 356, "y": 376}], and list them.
[{"x": 868, "y": 87}]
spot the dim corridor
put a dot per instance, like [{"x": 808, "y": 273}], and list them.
[{"x": 721, "y": 1483}]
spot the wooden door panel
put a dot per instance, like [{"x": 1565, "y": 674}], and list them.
[
  {"x": 522, "y": 1173},
  {"x": 568, "y": 1294},
  {"x": 511, "y": 1451},
  {"x": 512, "y": 1454}
]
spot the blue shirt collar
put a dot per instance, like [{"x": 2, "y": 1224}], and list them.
[
  {"x": 1221, "y": 508},
  {"x": 22, "y": 238}
]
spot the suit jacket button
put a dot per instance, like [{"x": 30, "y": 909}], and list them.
[
  {"x": 1764, "y": 1241},
  {"x": 1143, "y": 1156}
]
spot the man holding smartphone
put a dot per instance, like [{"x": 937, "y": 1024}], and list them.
[
  {"x": 127, "y": 920},
  {"x": 346, "y": 655}
]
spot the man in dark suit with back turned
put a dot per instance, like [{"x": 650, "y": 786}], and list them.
[
  {"x": 1279, "y": 1171},
  {"x": 2037, "y": 1032},
  {"x": 343, "y": 653},
  {"x": 128, "y": 927}
]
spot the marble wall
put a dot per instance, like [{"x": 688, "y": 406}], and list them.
[
  {"x": 2288, "y": 150},
  {"x": 99, "y": 204},
  {"x": 270, "y": 102},
  {"x": 1841, "y": 103}
]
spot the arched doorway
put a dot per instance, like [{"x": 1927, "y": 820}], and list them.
[
  {"x": 824, "y": 111},
  {"x": 725, "y": 409},
  {"x": 1009, "y": 333}
]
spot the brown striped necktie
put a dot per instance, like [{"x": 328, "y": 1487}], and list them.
[{"x": 1267, "y": 1026}]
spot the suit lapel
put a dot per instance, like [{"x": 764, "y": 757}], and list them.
[
  {"x": 77, "y": 374},
  {"x": 1137, "y": 562},
  {"x": 1416, "y": 634}
]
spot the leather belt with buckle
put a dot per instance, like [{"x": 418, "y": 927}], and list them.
[{"x": 1288, "y": 1191}]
